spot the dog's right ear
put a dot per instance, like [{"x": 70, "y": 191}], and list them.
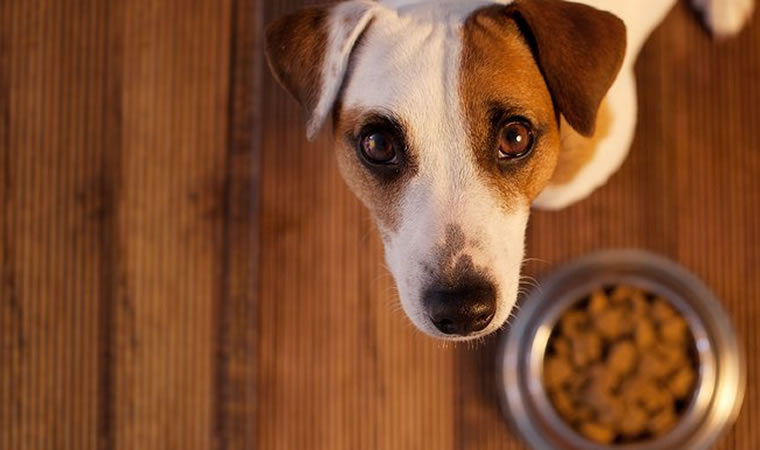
[
  {"x": 580, "y": 50},
  {"x": 308, "y": 53}
]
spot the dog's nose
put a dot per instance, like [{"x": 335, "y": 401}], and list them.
[{"x": 463, "y": 309}]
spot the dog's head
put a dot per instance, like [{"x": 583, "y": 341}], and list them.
[{"x": 446, "y": 116}]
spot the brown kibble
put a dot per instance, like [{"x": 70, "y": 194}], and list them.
[
  {"x": 622, "y": 357},
  {"x": 661, "y": 310},
  {"x": 651, "y": 366},
  {"x": 622, "y": 294},
  {"x": 612, "y": 413},
  {"x": 564, "y": 405},
  {"x": 655, "y": 398},
  {"x": 633, "y": 392},
  {"x": 613, "y": 323},
  {"x": 635, "y": 421},
  {"x": 608, "y": 407},
  {"x": 584, "y": 413},
  {"x": 674, "y": 329},
  {"x": 663, "y": 421},
  {"x": 672, "y": 358},
  {"x": 596, "y": 396},
  {"x": 557, "y": 371},
  {"x": 641, "y": 308},
  {"x": 682, "y": 383},
  {"x": 594, "y": 345},
  {"x": 632, "y": 388},
  {"x": 587, "y": 348},
  {"x": 598, "y": 432},
  {"x": 576, "y": 383},
  {"x": 572, "y": 323},
  {"x": 644, "y": 333},
  {"x": 602, "y": 378},
  {"x": 645, "y": 392},
  {"x": 640, "y": 305},
  {"x": 598, "y": 303}
]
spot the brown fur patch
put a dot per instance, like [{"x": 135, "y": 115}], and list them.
[
  {"x": 499, "y": 71},
  {"x": 382, "y": 196},
  {"x": 580, "y": 50},
  {"x": 577, "y": 150},
  {"x": 296, "y": 49}
]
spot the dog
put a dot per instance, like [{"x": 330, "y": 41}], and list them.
[{"x": 452, "y": 118}]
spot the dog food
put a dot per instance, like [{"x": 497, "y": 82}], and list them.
[{"x": 621, "y": 366}]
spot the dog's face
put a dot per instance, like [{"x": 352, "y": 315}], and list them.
[{"x": 446, "y": 127}]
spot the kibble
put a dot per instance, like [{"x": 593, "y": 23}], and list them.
[
  {"x": 644, "y": 333},
  {"x": 681, "y": 383},
  {"x": 558, "y": 372},
  {"x": 598, "y": 432},
  {"x": 621, "y": 366},
  {"x": 635, "y": 423},
  {"x": 622, "y": 358}
]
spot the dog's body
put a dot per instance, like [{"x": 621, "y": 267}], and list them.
[
  {"x": 590, "y": 162},
  {"x": 453, "y": 117}
]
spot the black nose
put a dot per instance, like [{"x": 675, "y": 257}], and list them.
[{"x": 462, "y": 309}]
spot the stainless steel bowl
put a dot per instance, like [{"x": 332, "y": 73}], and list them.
[{"x": 720, "y": 386}]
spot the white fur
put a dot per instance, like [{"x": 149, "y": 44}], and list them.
[{"x": 409, "y": 67}]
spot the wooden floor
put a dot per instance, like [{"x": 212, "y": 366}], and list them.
[{"x": 178, "y": 270}]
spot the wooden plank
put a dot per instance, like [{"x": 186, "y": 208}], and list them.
[
  {"x": 717, "y": 184},
  {"x": 237, "y": 331},
  {"x": 8, "y": 315},
  {"x": 113, "y": 277},
  {"x": 113, "y": 124},
  {"x": 169, "y": 225},
  {"x": 52, "y": 93}
]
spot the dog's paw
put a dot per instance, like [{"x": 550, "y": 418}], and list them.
[{"x": 725, "y": 17}]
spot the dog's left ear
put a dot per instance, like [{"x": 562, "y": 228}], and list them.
[
  {"x": 308, "y": 53},
  {"x": 579, "y": 49}
]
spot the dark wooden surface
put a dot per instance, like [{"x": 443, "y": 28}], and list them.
[{"x": 180, "y": 269}]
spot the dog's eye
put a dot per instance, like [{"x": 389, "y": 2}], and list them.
[
  {"x": 516, "y": 140},
  {"x": 378, "y": 147}
]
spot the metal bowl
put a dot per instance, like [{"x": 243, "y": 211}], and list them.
[{"x": 720, "y": 387}]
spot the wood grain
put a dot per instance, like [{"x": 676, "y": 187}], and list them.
[
  {"x": 115, "y": 126},
  {"x": 53, "y": 97},
  {"x": 180, "y": 268},
  {"x": 169, "y": 222},
  {"x": 237, "y": 315}
]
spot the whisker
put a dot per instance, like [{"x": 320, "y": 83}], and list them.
[{"x": 539, "y": 260}]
